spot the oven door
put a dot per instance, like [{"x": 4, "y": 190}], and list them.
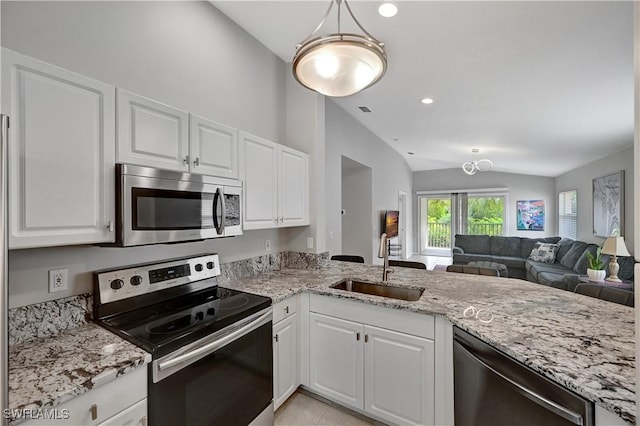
[
  {"x": 155, "y": 210},
  {"x": 224, "y": 379}
]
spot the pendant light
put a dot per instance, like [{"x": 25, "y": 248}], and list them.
[
  {"x": 339, "y": 64},
  {"x": 471, "y": 167}
]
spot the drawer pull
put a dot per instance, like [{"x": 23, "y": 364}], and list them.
[
  {"x": 358, "y": 336},
  {"x": 286, "y": 310},
  {"x": 94, "y": 411},
  {"x": 276, "y": 337},
  {"x": 366, "y": 338}
]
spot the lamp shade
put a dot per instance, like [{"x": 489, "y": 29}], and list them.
[
  {"x": 339, "y": 64},
  {"x": 615, "y": 246}
]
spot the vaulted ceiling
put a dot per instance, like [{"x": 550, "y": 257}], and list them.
[{"x": 539, "y": 87}]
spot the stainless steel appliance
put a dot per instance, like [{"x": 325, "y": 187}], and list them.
[
  {"x": 4, "y": 282},
  {"x": 492, "y": 389},
  {"x": 161, "y": 206},
  {"x": 211, "y": 347}
]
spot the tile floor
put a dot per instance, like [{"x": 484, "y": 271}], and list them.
[{"x": 303, "y": 410}]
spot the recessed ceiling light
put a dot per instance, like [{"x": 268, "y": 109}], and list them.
[
  {"x": 387, "y": 9},
  {"x": 411, "y": 153},
  {"x": 426, "y": 101}
]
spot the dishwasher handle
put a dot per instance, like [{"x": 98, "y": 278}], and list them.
[{"x": 535, "y": 397}]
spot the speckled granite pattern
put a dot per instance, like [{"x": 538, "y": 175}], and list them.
[
  {"x": 48, "y": 318},
  {"x": 250, "y": 267},
  {"x": 583, "y": 343},
  {"x": 46, "y": 372},
  {"x": 297, "y": 260}
]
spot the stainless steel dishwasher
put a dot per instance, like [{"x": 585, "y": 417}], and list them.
[{"x": 493, "y": 389}]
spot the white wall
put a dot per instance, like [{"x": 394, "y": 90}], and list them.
[
  {"x": 581, "y": 179},
  {"x": 390, "y": 173},
  {"x": 520, "y": 187},
  {"x": 357, "y": 203},
  {"x": 185, "y": 54}
]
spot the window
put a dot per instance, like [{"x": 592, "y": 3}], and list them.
[{"x": 567, "y": 214}]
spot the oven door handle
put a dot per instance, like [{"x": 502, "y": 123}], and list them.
[{"x": 245, "y": 328}]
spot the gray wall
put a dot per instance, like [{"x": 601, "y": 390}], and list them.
[
  {"x": 390, "y": 173},
  {"x": 357, "y": 203},
  {"x": 185, "y": 54},
  {"x": 520, "y": 187},
  {"x": 581, "y": 178}
]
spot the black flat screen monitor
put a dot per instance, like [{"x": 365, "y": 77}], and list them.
[{"x": 391, "y": 223}]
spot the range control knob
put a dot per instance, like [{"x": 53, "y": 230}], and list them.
[
  {"x": 210, "y": 265},
  {"x": 117, "y": 284},
  {"x": 199, "y": 267},
  {"x": 136, "y": 280}
]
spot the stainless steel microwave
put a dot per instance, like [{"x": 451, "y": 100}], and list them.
[{"x": 161, "y": 206}]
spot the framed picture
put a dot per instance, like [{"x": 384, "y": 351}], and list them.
[
  {"x": 530, "y": 215},
  {"x": 608, "y": 205}
]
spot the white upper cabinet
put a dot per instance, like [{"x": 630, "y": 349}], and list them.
[
  {"x": 293, "y": 184},
  {"x": 276, "y": 184},
  {"x": 157, "y": 135},
  {"x": 259, "y": 159},
  {"x": 62, "y": 154},
  {"x": 213, "y": 148},
  {"x": 152, "y": 134}
]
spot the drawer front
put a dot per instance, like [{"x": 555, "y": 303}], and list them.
[
  {"x": 285, "y": 308},
  {"x": 101, "y": 403}
]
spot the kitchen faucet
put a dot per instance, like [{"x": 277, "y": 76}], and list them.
[{"x": 383, "y": 253}]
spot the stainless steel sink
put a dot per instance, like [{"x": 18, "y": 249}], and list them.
[{"x": 393, "y": 292}]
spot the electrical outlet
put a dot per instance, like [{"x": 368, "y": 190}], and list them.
[
  {"x": 58, "y": 280},
  {"x": 310, "y": 242},
  {"x": 331, "y": 235},
  {"x": 267, "y": 245}
]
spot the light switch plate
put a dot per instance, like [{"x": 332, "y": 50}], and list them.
[{"x": 310, "y": 242}]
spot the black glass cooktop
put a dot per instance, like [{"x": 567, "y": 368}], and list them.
[{"x": 164, "y": 327}]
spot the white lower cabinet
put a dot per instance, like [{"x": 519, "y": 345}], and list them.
[
  {"x": 286, "y": 376},
  {"x": 385, "y": 372},
  {"x": 122, "y": 401}
]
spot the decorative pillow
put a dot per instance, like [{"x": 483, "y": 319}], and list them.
[{"x": 544, "y": 252}]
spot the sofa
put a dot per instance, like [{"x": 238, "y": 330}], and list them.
[{"x": 570, "y": 261}]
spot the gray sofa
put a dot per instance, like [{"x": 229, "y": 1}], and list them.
[{"x": 571, "y": 259}]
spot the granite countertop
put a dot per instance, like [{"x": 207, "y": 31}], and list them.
[
  {"x": 585, "y": 344},
  {"x": 48, "y": 371}
]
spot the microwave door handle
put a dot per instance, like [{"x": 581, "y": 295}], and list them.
[
  {"x": 218, "y": 225},
  {"x": 214, "y": 212}
]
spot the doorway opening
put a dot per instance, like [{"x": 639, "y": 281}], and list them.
[{"x": 357, "y": 209}]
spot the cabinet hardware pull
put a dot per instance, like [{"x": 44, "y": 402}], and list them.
[
  {"x": 185, "y": 160},
  {"x": 110, "y": 226},
  {"x": 286, "y": 309},
  {"x": 94, "y": 411},
  {"x": 358, "y": 336},
  {"x": 366, "y": 338},
  {"x": 276, "y": 337},
  {"x": 143, "y": 421},
  {"x": 196, "y": 162}
]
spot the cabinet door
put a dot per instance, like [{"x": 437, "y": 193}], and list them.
[
  {"x": 336, "y": 360},
  {"x": 213, "y": 148},
  {"x": 136, "y": 415},
  {"x": 293, "y": 187},
  {"x": 285, "y": 359},
  {"x": 260, "y": 174},
  {"x": 151, "y": 134},
  {"x": 399, "y": 377},
  {"x": 62, "y": 152}
]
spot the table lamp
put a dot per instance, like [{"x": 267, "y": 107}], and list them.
[{"x": 614, "y": 246}]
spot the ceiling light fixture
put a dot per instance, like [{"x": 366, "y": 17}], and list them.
[
  {"x": 426, "y": 101},
  {"x": 471, "y": 167},
  {"x": 387, "y": 9},
  {"x": 339, "y": 64}
]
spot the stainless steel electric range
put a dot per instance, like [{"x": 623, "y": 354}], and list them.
[{"x": 211, "y": 347}]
